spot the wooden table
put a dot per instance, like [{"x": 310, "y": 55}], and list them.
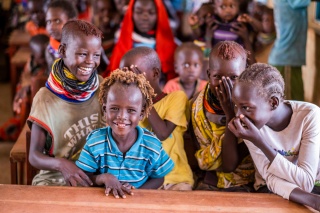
[
  {"x": 18, "y": 157},
  {"x": 22, "y": 198}
]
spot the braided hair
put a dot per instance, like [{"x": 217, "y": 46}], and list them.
[
  {"x": 228, "y": 50},
  {"x": 127, "y": 78},
  {"x": 266, "y": 78}
]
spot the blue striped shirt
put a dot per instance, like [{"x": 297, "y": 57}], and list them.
[{"x": 146, "y": 158}]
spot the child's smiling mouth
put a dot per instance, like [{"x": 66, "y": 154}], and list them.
[{"x": 85, "y": 70}]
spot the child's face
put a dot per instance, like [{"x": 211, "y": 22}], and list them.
[
  {"x": 55, "y": 19},
  {"x": 38, "y": 53},
  {"x": 36, "y": 13},
  {"x": 123, "y": 110},
  {"x": 103, "y": 12},
  {"x": 268, "y": 23},
  {"x": 226, "y": 9},
  {"x": 203, "y": 12},
  {"x": 144, "y": 15},
  {"x": 188, "y": 65},
  {"x": 121, "y": 4},
  {"x": 252, "y": 105},
  {"x": 227, "y": 68},
  {"x": 81, "y": 55}
]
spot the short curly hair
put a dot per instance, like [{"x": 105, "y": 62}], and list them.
[
  {"x": 266, "y": 78},
  {"x": 228, "y": 50},
  {"x": 126, "y": 77}
]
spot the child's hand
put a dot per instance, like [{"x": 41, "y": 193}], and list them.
[
  {"x": 223, "y": 93},
  {"x": 21, "y": 94},
  {"x": 193, "y": 20},
  {"x": 112, "y": 184},
  {"x": 245, "y": 18},
  {"x": 135, "y": 69},
  {"x": 243, "y": 128},
  {"x": 211, "y": 26},
  {"x": 240, "y": 29},
  {"x": 72, "y": 174}
]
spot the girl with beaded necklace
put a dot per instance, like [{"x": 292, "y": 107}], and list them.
[
  {"x": 65, "y": 111},
  {"x": 223, "y": 161}
]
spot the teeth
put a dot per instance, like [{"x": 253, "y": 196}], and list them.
[
  {"x": 121, "y": 125},
  {"x": 85, "y": 70}
]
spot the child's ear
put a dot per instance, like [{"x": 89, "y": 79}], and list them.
[
  {"x": 156, "y": 72},
  {"x": 274, "y": 102},
  {"x": 62, "y": 50},
  {"x": 208, "y": 73},
  {"x": 142, "y": 113}
]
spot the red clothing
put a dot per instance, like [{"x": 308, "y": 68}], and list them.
[
  {"x": 165, "y": 45},
  {"x": 33, "y": 29}
]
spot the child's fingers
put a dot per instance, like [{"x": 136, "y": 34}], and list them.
[
  {"x": 127, "y": 189},
  {"x": 85, "y": 179},
  {"x": 118, "y": 193},
  {"x": 107, "y": 191}
]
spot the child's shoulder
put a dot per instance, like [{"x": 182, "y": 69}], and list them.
[
  {"x": 97, "y": 135},
  {"x": 177, "y": 96},
  {"x": 150, "y": 140},
  {"x": 298, "y": 106}
]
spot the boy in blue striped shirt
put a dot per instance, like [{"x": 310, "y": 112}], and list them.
[{"x": 123, "y": 155}]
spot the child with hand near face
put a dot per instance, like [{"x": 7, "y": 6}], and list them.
[
  {"x": 65, "y": 111},
  {"x": 282, "y": 136},
  {"x": 223, "y": 159},
  {"x": 188, "y": 62},
  {"x": 167, "y": 118},
  {"x": 125, "y": 155}
]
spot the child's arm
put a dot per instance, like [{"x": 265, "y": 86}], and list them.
[
  {"x": 112, "y": 184},
  {"x": 152, "y": 183},
  {"x": 282, "y": 176},
  {"x": 71, "y": 173},
  {"x": 211, "y": 26},
  {"x": 255, "y": 23},
  {"x": 231, "y": 152},
  {"x": 161, "y": 128},
  {"x": 241, "y": 30},
  {"x": 305, "y": 198},
  {"x": 194, "y": 24}
]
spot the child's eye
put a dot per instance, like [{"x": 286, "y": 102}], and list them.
[
  {"x": 48, "y": 22},
  {"x": 217, "y": 77},
  {"x": 186, "y": 65},
  {"x": 131, "y": 110},
  {"x": 114, "y": 108},
  {"x": 246, "y": 108},
  {"x": 82, "y": 54},
  {"x": 234, "y": 77},
  {"x": 196, "y": 65},
  {"x": 57, "y": 21},
  {"x": 222, "y": 7},
  {"x": 97, "y": 55}
]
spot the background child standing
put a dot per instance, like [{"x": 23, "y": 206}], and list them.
[
  {"x": 65, "y": 111},
  {"x": 58, "y": 13},
  {"x": 188, "y": 63},
  {"x": 124, "y": 154},
  {"x": 146, "y": 23},
  {"x": 167, "y": 118},
  {"x": 282, "y": 136}
]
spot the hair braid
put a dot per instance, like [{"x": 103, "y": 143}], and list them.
[
  {"x": 126, "y": 77},
  {"x": 266, "y": 77}
]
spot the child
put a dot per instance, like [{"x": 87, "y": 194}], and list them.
[
  {"x": 266, "y": 37},
  {"x": 282, "y": 136},
  {"x": 188, "y": 60},
  {"x": 124, "y": 155},
  {"x": 146, "y": 24},
  {"x": 167, "y": 118},
  {"x": 65, "y": 111},
  {"x": 35, "y": 66},
  {"x": 221, "y": 156},
  {"x": 58, "y": 13},
  {"x": 103, "y": 18},
  {"x": 227, "y": 25},
  {"x": 37, "y": 24}
]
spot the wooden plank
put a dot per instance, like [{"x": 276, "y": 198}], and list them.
[{"x": 22, "y": 198}]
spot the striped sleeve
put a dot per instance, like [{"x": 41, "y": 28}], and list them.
[
  {"x": 162, "y": 166},
  {"x": 87, "y": 161}
]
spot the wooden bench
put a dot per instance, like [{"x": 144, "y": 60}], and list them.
[
  {"x": 22, "y": 198},
  {"x": 18, "y": 157}
]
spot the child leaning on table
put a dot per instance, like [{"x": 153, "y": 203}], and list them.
[
  {"x": 123, "y": 155},
  {"x": 282, "y": 136},
  {"x": 65, "y": 111}
]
